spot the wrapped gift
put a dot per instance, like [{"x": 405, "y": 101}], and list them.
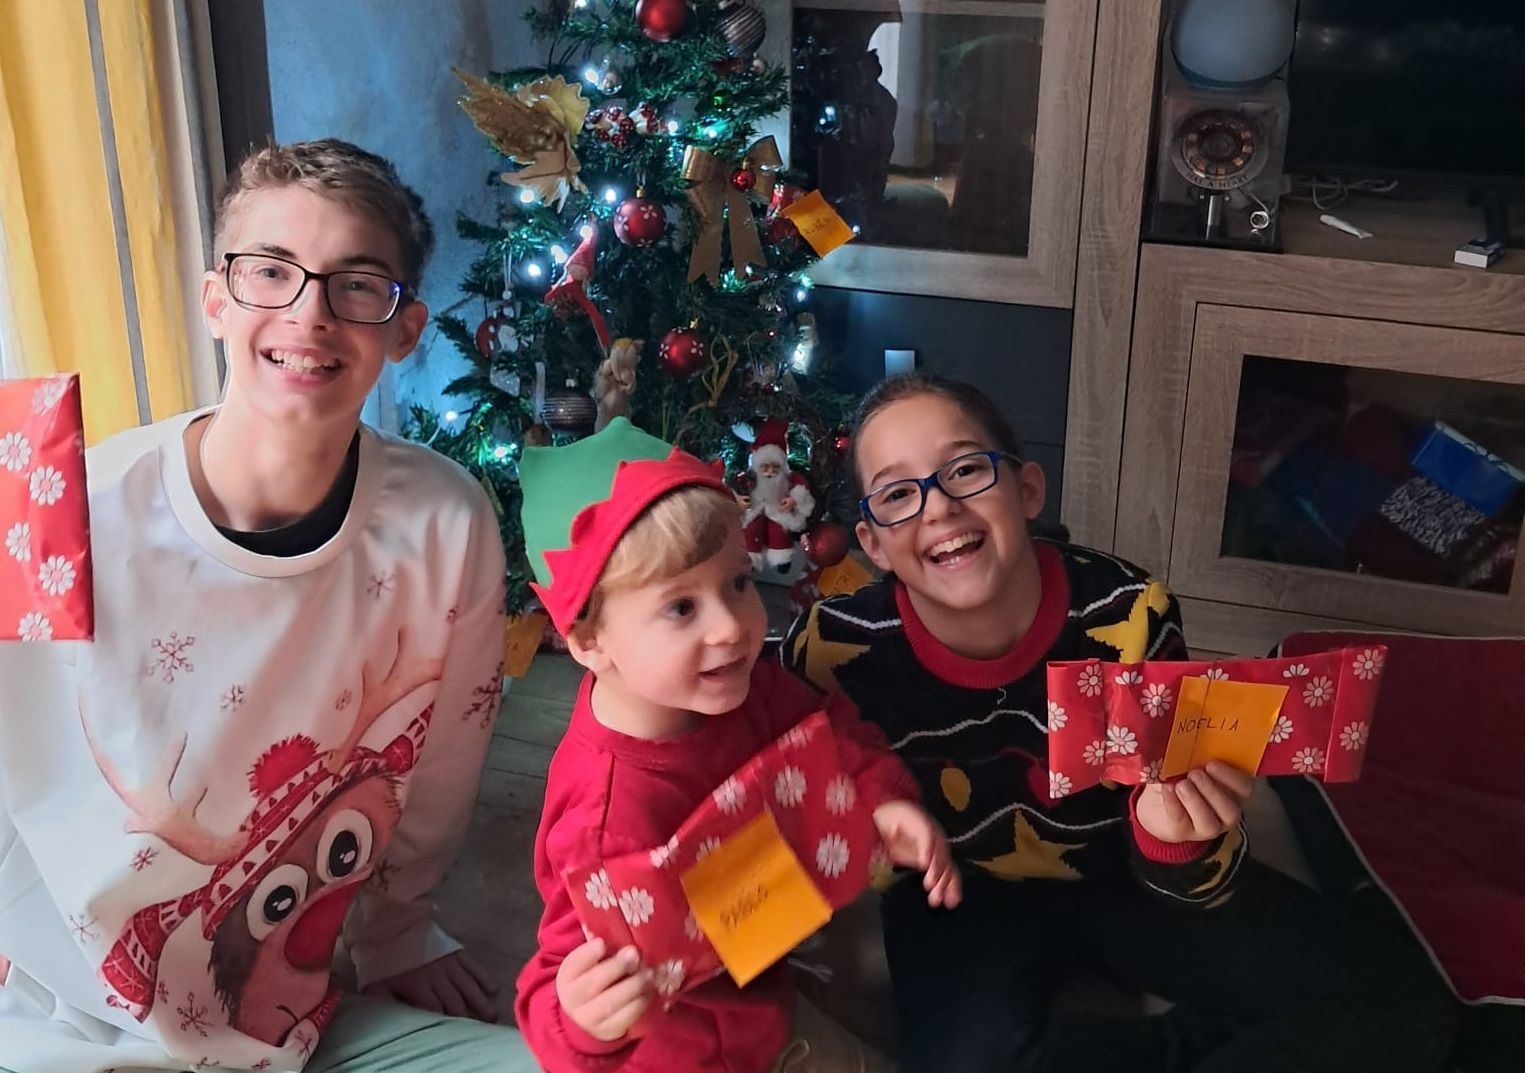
[
  {"x": 1133, "y": 723},
  {"x": 45, "y": 592},
  {"x": 1467, "y": 469},
  {"x": 795, "y": 801}
]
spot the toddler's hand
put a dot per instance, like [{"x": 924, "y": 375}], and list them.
[
  {"x": 604, "y": 996},
  {"x": 913, "y": 840}
]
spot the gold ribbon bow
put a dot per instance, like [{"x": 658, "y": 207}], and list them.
[{"x": 714, "y": 198}]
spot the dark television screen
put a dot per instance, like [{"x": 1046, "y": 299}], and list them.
[{"x": 1395, "y": 87}]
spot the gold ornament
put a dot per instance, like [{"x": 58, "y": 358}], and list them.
[
  {"x": 535, "y": 126},
  {"x": 715, "y": 197}
]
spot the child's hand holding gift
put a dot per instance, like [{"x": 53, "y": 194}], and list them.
[
  {"x": 913, "y": 840},
  {"x": 604, "y": 996},
  {"x": 1206, "y": 803}
]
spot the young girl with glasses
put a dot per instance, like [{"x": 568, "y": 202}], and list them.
[{"x": 947, "y": 654}]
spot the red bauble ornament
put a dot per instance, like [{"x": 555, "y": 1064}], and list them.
[
  {"x": 661, "y": 20},
  {"x": 639, "y": 221},
  {"x": 744, "y": 179},
  {"x": 493, "y": 333},
  {"x": 780, "y": 229},
  {"x": 842, "y": 442},
  {"x": 825, "y": 543},
  {"x": 684, "y": 352}
]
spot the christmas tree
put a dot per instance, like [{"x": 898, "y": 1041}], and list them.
[{"x": 648, "y": 258}]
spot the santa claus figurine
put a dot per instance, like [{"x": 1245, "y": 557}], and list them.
[{"x": 780, "y": 503}]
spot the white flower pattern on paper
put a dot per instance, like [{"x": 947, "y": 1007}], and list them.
[
  {"x": 796, "y": 737},
  {"x": 1353, "y": 737},
  {"x": 1129, "y": 678},
  {"x": 18, "y": 542},
  {"x": 1152, "y": 770},
  {"x": 789, "y": 787},
  {"x": 660, "y": 856},
  {"x": 34, "y": 626},
  {"x": 706, "y": 847},
  {"x": 1059, "y": 785},
  {"x": 1282, "y": 730},
  {"x": 691, "y": 928},
  {"x": 1308, "y": 760},
  {"x": 668, "y": 977},
  {"x": 1157, "y": 700},
  {"x": 1096, "y": 754},
  {"x": 831, "y": 856},
  {"x": 15, "y": 451},
  {"x": 56, "y": 575},
  {"x": 599, "y": 891},
  {"x": 730, "y": 796},
  {"x": 840, "y": 796},
  {"x": 47, "y": 485},
  {"x": 1089, "y": 681},
  {"x": 1368, "y": 665},
  {"x": 1297, "y": 670},
  {"x": 1122, "y": 741},
  {"x": 636, "y": 906},
  {"x": 1216, "y": 674},
  {"x": 49, "y": 393},
  {"x": 1056, "y": 716},
  {"x": 1318, "y": 692}
]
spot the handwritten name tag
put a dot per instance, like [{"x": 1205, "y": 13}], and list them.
[
  {"x": 818, "y": 223},
  {"x": 753, "y": 900},
  {"x": 1218, "y": 720}
]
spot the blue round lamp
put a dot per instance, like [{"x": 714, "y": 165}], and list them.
[{"x": 1232, "y": 44}]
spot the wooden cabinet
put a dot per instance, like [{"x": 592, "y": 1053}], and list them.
[{"x": 1243, "y": 361}]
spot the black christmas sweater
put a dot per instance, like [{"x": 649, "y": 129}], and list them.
[{"x": 974, "y": 732}]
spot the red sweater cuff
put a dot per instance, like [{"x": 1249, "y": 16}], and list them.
[
  {"x": 1159, "y": 851},
  {"x": 582, "y": 1043}
]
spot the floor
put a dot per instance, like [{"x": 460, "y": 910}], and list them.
[{"x": 489, "y": 900}]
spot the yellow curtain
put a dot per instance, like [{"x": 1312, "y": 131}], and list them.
[{"x": 93, "y": 292}]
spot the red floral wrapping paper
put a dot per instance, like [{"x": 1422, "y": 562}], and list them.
[
  {"x": 637, "y": 899},
  {"x": 1113, "y": 720},
  {"x": 45, "y": 592}
]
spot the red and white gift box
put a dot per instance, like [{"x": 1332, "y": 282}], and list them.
[
  {"x": 638, "y": 899},
  {"x": 45, "y": 591},
  {"x": 1113, "y": 721}
]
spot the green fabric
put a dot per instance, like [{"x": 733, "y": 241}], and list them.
[
  {"x": 371, "y": 1035},
  {"x": 558, "y": 482}
]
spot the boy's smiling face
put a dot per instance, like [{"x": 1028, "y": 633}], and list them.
[
  {"x": 302, "y": 364},
  {"x": 960, "y": 554},
  {"x": 684, "y": 644}
]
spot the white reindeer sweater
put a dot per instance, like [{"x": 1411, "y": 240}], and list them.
[{"x": 254, "y": 752}]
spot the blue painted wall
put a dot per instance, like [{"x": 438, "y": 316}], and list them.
[{"x": 378, "y": 74}]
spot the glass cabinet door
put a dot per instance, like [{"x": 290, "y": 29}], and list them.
[{"x": 950, "y": 134}]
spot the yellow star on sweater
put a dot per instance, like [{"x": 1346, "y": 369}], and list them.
[
  {"x": 821, "y": 657},
  {"x": 1131, "y": 636},
  {"x": 1031, "y": 857}
]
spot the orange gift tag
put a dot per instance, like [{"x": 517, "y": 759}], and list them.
[
  {"x": 818, "y": 223},
  {"x": 522, "y": 641},
  {"x": 1219, "y": 720},
  {"x": 753, "y": 900},
  {"x": 847, "y": 576}
]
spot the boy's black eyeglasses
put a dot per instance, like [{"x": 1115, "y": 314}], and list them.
[
  {"x": 962, "y": 477},
  {"x": 260, "y": 281}
]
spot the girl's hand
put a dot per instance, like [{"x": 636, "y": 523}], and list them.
[
  {"x": 1205, "y": 804},
  {"x": 914, "y": 840}
]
